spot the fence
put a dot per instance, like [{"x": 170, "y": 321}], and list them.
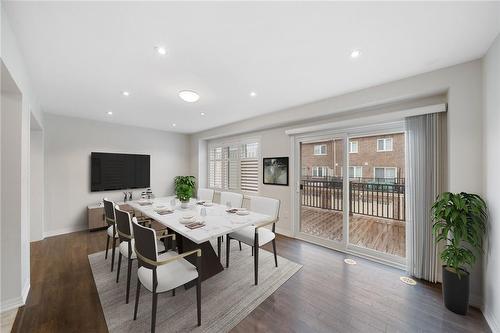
[{"x": 383, "y": 198}]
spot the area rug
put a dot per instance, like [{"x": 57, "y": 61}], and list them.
[{"x": 227, "y": 297}]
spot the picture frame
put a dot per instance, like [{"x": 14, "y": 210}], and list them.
[{"x": 275, "y": 171}]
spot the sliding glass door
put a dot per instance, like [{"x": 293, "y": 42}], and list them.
[
  {"x": 351, "y": 192},
  {"x": 377, "y": 195},
  {"x": 322, "y": 190}
]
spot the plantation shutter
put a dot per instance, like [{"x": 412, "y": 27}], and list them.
[
  {"x": 234, "y": 166},
  {"x": 250, "y": 167},
  {"x": 217, "y": 165}
]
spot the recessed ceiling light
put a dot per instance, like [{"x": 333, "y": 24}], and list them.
[
  {"x": 355, "y": 54},
  {"x": 174, "y": 124},
  {"x": 110, "y": 113},
  {"x": 202, "y": 114},
  {"x": 125, "y": 93},
  {"x": 253, "y": 94},
  {"x": 189, "y": 96},
  {"x": 161, "y": 50}
]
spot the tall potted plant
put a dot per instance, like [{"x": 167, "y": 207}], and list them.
[
  {"x": 184, "y": 187},
  {"x": 460, "y": 221}
]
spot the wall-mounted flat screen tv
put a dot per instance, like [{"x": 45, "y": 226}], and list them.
[{"x": 119, "y": 171}]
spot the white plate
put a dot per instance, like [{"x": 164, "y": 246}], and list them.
[
  {"x": 187, "y": 221},
  {"x": 208, "y": 204},
  {"x": 242, "y": 212}
]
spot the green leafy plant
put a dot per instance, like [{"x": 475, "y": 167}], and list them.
[
  {"x": 184, "y": 187},
  {"x": 459, "y": 219}
]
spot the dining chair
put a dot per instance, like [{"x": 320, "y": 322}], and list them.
[
  {"x": 126, "y": 246},
  {"x": 236, "y": 201},
  {"x": 164, "y": 272},
  {"x": 109, "y": 217},
  {"x": 205, "y": 194},
  {"x": 257, "y": 236}
]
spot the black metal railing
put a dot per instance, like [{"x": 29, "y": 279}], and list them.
[{"x": 384, "y": 198}]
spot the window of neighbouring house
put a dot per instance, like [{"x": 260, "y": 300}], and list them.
[
  {"x": 319, "y": 149},
  {"x": 385, "y": 174},
  {"x": 355, "y": 172},
  {"x": 353, "y": 146},
  {"x": 384, "y": 144},
  {"x": 319, "y": 171}
]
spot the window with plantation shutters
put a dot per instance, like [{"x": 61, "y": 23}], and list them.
[
  {"x": 234, "y": 166},
  {"x": 250, "y": 167}
]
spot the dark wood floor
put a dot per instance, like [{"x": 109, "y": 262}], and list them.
[{"x": 326, "y": 295}]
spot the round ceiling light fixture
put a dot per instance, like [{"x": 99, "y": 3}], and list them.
[
  {"x": 189, "y": 96},
  {"x": 110, "y": 113},
  {"x": 161, "y": 50},
  {"x": 253, "y": 94},
  {"x": 125, "y": 93},
  {"x": 355, "y": 54},
  {"x": 202, "y": 114}
]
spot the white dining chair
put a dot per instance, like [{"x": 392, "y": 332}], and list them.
[
  {"x": 257, "y": 236},
  {"x": 205, "y": 194},
  {"x": 110, "y": 219},
  {"x": 161, "y": 273},
  {"x": 127, "y": 243},
  {"x": 234, "y": 199}
]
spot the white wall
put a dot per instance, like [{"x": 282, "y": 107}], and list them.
[
  {"x": 11, "y": 245},
  {"x": 37, "y": 189},
  {"x": 462, "y": 83},
  {"x": 13, "y": 60},
  {"x": 68, "y": 144},
  {"x": 491, "y": 86}
]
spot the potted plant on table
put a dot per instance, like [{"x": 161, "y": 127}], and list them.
[
  {"x": 184, "y": 187},
  {"x": 460, "y": 221}
]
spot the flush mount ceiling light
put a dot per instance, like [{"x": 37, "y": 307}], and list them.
[
  {"x": 110, "y": 113},
  {"x": 202, "y": 114},
  {"x": 161, "y": 50},
  {"x": 125, "y": 93},
  {"x": 189, "y": 96},
  {"x": 174, "y": 124},
  {"x": 355, "y": 54},
  {"x": 253, "y": 94}
]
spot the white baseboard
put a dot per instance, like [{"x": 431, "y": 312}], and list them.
[
  {"x": 493, "y": 322},
  {"x": 12, "y": 303},
  {"x": 16, "y": 302},
  {"x": 51, "y": 233},
  {"x": 26, "y": 291}
]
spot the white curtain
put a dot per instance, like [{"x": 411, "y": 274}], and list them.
[{"x": 425, "y": 164}]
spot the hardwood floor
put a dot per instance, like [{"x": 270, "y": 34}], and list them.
[{"x": 326, "y": 295}]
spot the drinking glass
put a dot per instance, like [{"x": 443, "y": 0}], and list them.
[
  {"x": 203, "y": 212},
  {"x": 228, "y": 204},
  {"x": 172, "y": 203}
]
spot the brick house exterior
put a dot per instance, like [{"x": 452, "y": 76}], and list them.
[{"x": 389, "y": 163}]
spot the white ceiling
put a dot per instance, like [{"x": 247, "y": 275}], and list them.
[{"x": 82, "y": 55}]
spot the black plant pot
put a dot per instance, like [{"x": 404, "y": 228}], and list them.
[{"x": 456, "y": 290}]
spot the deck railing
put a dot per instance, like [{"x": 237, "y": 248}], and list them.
[{"x": 384, "y": 198}]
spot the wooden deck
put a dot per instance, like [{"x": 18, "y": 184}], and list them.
[{"x": 375, "y": 233}]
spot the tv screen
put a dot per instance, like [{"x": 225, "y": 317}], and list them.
[{"x": 118, "y": 171}]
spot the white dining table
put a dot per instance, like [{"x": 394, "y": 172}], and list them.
[{"x": 218, "y": 222}]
